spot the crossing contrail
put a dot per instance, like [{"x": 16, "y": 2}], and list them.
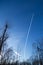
[
  {"x": 28, "y": 34},
  {"x": 17, "y": 55}
]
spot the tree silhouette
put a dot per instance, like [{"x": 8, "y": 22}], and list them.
[
  {"x": 38, "y": 48},
  {"x": 6, "y": 54},
  {"x": 3, "y": 38}
]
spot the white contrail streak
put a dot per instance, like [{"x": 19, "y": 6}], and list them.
[
  {"x": 17, "y": 53},
  {"x": 28, "y": 34}
]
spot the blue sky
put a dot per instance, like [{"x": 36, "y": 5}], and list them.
[{"x": 18, "y": 13}]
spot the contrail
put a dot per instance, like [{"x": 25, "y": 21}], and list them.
[
  {"x": 28, "y": 34},
  {"x": 17, "y": 55}
]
